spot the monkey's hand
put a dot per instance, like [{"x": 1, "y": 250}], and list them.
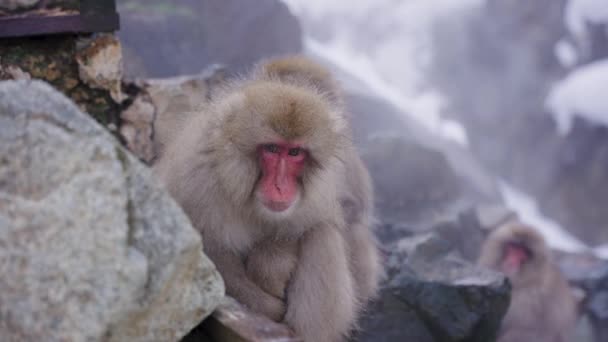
[
  {"x": 239, "y": 286},
  {"x": 271, "y": 265},
  {"x": 321, "y": 304},
  {"x": 269, "y": 306}
]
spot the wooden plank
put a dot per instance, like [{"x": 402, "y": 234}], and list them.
[
  {"x": 94, "y": 16},
  {"x": 34, "y": 26}
]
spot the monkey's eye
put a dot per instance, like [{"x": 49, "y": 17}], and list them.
[
  {"x": 294, "y": 151},
  {"x": 272, "y": 148}
]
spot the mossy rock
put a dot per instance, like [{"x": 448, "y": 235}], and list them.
[{"x": 53, "y": 59}]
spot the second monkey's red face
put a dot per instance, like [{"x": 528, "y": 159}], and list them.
[
  {"x": 515, "y": 256},
  {"x": 281, "y": 164}
]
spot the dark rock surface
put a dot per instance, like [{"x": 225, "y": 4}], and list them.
[
  {"x": 430, "y": 295},
  {"x": 590, "y": 276}
]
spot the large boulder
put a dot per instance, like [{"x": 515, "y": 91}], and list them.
[
  {"x": 419, "y": 178},
  {"x": 92, "y": 249}
]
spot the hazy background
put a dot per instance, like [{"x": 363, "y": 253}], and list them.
[
  {"x": 519, "y": 83},
  {"x": 512, "y": 92}
]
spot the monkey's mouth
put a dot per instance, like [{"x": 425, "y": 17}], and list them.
[{"x": 277, "y": 206}]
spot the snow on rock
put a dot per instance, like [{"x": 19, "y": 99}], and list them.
[
  {"x": 578, "y": 16},
  {"x": 579, "y": 13},
  {"x": 566, "y": 53},
  {"x": 527, "y": 210},
  {"x": 425, "y": 107},
  {"x": 601, "y": 251},
  {"x": 582, "y": 93}
]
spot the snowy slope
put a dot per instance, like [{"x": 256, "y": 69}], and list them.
[
  {"x": 387, "y": 44},
  {"x": 580, "y": 12},
  {"x": 582, "y": 93},
  {"x": 527, "y": 210}
]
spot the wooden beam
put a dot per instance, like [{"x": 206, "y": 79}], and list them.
[{"x": 95, "y": 16}]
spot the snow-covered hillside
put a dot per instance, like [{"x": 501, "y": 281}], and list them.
[
  {"x": 582, "y": 93},
  {"x": 387, "y": 43}
]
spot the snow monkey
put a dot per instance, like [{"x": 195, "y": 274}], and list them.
[
  {"x": 543, "y": 307},
  {"x": 269, "y": 176}
]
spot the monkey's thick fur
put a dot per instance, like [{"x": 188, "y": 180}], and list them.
[
  {"x": 313, "y": 266},
  {"x": 543, "y": 308}
]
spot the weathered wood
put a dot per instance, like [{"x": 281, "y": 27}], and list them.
[
  {"x": 231, "y": 322},
  {"x": 34, "y": 26},
  {"x": 94, "y": 16}
]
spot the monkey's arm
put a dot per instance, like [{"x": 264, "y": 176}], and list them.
[
  {"x": 271, "y": 265},
  {"x": 239, "y": 286},
  {"x": 320, "y": 300},
  {"x": 357, "y": 205},
  {"x": 364, "y": 260}
]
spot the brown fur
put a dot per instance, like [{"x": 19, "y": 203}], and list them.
[
  {"x": 300, "y": 70},
  {"x": 314, "y": 267},
  {"x": 543, "y": 307}
]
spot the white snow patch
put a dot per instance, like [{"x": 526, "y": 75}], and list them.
[
  {"x": 580, "y": 12},
  {"x": 424, "y": 106},
  {"x": 527, "y": 210},
  {"x": 386, "y": 44},
  {"x": 566, "y": 53},
  {"x": 582, "y": 93},
  {"x": 318, "y": 8},
  {"x": 601, "y": 251}
]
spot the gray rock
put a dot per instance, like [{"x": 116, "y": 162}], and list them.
[
  {"x": 589, "y": 275},
  {"x": 420, "y": 179},
  {"x": 413, "y": 183},
  {"x": 160, "y": 107},
  {"x": 432, "y": 296},
  {"x": 91, "y": 249},
  {"x": 100, "y": 64}
]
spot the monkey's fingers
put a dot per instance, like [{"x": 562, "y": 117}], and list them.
[{"x": 270, "y": 307}]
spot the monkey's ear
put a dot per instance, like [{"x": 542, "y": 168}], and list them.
[{"x": 300, "y": 70}]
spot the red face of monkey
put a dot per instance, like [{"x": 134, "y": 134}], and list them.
[
  {"x": 515, "y": 256},
  {"x": 281, "y": 164}
]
